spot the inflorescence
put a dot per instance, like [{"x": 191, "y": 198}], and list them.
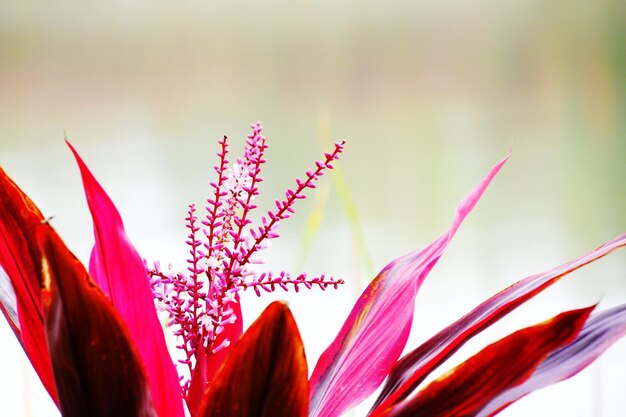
[{"x": 224, "y": 245}]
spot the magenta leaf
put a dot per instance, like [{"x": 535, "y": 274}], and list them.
[
  {"x": 375, "y": 333},
  {"x": 598, "y": 334},
  {"x": 119, "y": 271},
  {"x": 411, "y": 370}
]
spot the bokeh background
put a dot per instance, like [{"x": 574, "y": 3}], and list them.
[{"x": 428, "y": 96}]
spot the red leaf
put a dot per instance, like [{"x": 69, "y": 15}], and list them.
[
  {"x": 231, "y": 333},
  {"x": 96, "y": 368},
  {"x": 465, "y": 390},
  {"x": 19, "y": 257},
  {"x": 207, "y": 365},
  {"x": 265, "y": 374},
  {"x": 119, "y": 271},
  {"x": 375, "y": 333},
  {"x": 411, "y": 370},
  {"x": 598, "y": 334}
]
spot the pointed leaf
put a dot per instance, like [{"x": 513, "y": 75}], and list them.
[
  {"x": 198, "y": 383},
  {"x": 465, "y": 390},
  {"x": 265, "y": 374},
  {"x": 207, "y": 365},
  {"x": 598, "y": 334},
  {"x": 374, "y": 335},
  {"x": 231, "y": 333},
  {"x": 19, "y": 257},
  {"x": 96, "y": 369},
  {"x": 119, "y": 271},
  {"x": 411, "y": 370}
]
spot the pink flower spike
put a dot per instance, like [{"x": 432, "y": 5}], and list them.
[
  {"x": 375, "y": 333},
  {"x": 118, "y": 269},
  {"x": 202, "y": 302}
]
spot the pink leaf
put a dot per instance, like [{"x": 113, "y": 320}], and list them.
[
  {"x": 374, "y": 335},
  {"x": 118, "y": 269}
]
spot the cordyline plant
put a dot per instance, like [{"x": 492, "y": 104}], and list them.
[{"x": 95, "y": 340}]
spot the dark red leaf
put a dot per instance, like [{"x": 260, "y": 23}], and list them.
[
  {"x": 265, "y": 374},
  {"x": 96, "y": 367},
  {"x": 411, "y": 370},
  {"x": 598, "y": 334},
  {"x": 19, "y": 257},
  {"x": 468, "y": 388}
]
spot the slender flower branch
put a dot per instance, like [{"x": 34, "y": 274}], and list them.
[
  {"x": 213, "y": 207},
  {"x": 255, "y": 148},
  {"x": 194, "y": 285},
  {"x": 285, "y": 207},
  {"x": 268, "y": 282}
]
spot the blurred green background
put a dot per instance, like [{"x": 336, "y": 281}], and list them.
[{"x": 428, "y": 96}]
